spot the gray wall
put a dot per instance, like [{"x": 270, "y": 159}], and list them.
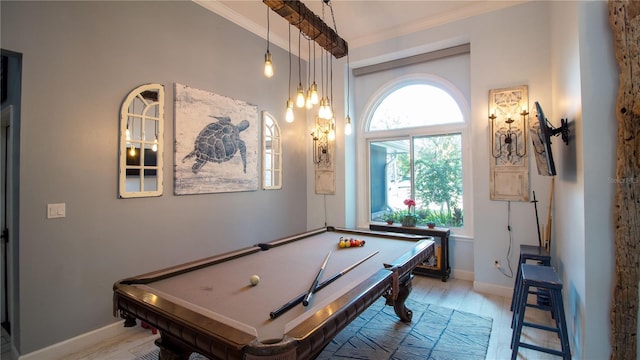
[{"x": 80, "y": 60}]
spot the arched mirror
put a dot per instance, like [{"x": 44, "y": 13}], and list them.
[
  {"x": 141, "y": 145},
  {"x": 272, "y": 153}
]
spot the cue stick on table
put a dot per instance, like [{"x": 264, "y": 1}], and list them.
[
  {"x": 312, "y": 289},
  {"x": 298, "y": 299}
]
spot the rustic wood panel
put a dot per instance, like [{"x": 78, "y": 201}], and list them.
[
  {"x": 299, "y": 15},
  {"x": 624, "y": 18}
]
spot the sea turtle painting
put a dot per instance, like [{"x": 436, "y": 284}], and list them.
[{"x": 219, "y": 142}]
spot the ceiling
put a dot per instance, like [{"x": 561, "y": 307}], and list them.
[{"x": 359, "y": 22}]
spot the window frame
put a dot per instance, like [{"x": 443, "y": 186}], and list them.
[{"x": 365, "y": 137}]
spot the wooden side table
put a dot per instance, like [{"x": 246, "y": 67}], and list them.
[{"x": 441, "y": 269}]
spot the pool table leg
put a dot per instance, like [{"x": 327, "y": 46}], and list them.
[
  {"x": 405, "y": 314},
  {"x": 170, "y": 349}
]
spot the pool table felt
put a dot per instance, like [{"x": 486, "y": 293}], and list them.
[{"x": 223, "y": 292}]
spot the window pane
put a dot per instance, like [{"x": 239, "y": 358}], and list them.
[
  {"x": 437, "y": 162},
  {"x": 390, "y": 176},
  {"x": 438, "y": 179},
  {"x": 413, "y": 106}
]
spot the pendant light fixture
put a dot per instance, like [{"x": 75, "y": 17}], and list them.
[
  {"x": 289, "y": 113},
  {"x": 347, "y": 120},
  {"x": 268, "y": 64},
  {"x": 314, "y": 87},
  {"x": 300, "y": 92},
  {"x": 308, "y": 104}
]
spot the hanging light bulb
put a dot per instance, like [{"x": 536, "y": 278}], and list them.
[
  {"x": 314, "y": 94},
  {"x": 268, "y": 64},
  {"x": 132, "y": 150},
  {"x": 300, "y": 96},
  {"x": 332, "y": 131},
  {"x": 289, "y": 114},
  {"x": 322, "y": 109},
  {"x": 308, "y": 104},
  {"x": 347, "y": 126},
  {"x": 154, "y": 147},
  {"x": 328, "y": 112}
]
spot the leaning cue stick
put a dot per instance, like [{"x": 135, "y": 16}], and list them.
[
  {"x": 535, "y": 206},
  {"x": 298, "y": 299},
  {"x": 547, "y": 232},
  {"x": 315, "y": 282}
]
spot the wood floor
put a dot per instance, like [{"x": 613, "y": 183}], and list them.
[{"x": 455, "y": 294}]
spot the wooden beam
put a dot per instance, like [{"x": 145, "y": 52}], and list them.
[
  {"x": 299, "y": 15},
  {"x": 624, "y": 19}
]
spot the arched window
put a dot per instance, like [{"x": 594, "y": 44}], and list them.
[
  {"x": 415, "y": 105},
  {"x": 415, "y": 135}
]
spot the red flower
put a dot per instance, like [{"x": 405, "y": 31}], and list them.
[{"x": 409, "y": 202}]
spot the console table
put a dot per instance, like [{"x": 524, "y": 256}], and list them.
[{"x": 442, "y": 269}]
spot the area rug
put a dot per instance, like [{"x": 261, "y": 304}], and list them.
[{"x": 435, "y": 333}]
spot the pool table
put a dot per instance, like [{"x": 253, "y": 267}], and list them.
[{"x": 209, "y": 306}]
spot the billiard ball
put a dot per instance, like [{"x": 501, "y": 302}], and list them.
[{"x": 254, "y": 280}]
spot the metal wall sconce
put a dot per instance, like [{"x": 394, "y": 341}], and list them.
[
  {"x": 323, "y": 136},
  {"x": 508, "y": 137}
]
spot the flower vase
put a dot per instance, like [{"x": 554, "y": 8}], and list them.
[{"x": 409, "y": 221}]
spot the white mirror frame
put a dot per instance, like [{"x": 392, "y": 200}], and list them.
[
  {"x": 151, "y": 110},
  {"x": 271, "y": 153}
]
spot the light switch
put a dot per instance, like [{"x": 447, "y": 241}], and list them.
[{"x": 56, "y": 210}]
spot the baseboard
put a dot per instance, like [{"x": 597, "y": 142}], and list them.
[
  {"x": 78, "y": 343},
  {"x": 462, "y": 274},
  {"x": 487, "y": 288}
]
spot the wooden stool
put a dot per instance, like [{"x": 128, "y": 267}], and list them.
[
  {"x": 533, "y": 253},
  {"x": 541, "y": 277}
]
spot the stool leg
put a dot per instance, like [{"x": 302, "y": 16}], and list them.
[
  {"x": 518, "y": 297},
  {"x": 558, "y": 309},
  {"x": 515, "y": 285},
  {"x": 519, "y": 319},
  {"x": 516, "y": 305},
  {"x": 520, "y": 307}
]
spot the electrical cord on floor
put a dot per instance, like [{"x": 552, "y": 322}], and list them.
[{"x": 504, "y": 272}]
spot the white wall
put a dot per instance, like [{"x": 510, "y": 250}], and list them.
[
  {"x": 508, "y": 48},
  {"x": 80, "y": 59},
  {"x": 563, "y": 52},
  {"x": 584, "y": 91}
]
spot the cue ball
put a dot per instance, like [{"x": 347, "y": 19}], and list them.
[{"x": 254, "y": 280}]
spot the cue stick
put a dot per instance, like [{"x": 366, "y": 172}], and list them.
[
  {"x": 535, "y": 206},
  {"x": 547, "y": 232},
  {"x": 306, "y": 299},
  {"x": 297, "y": 300}
]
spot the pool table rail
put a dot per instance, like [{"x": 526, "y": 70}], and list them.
[
  {"x": 187, "y": 267},
  {"x": 181, "y": 328}
]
